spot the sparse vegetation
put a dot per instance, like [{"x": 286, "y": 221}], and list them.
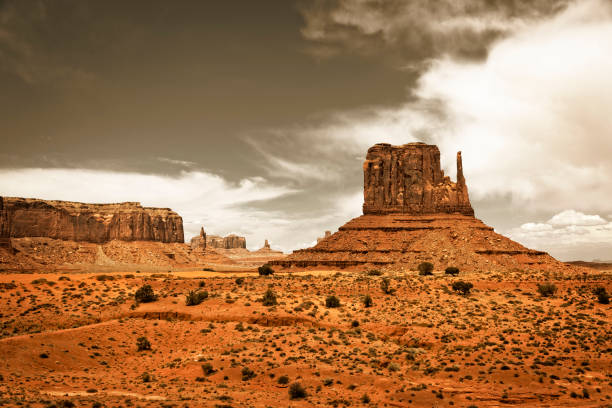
[
  {"x": 265, "y": 270},
  {"x": 297, "y": 391},
  {"x": 332, "y": 302},
  {"x": 425, "y": 268},
  {"x": 385, "y": 286},
  {"x": 145, "y": 294},
  {"x": 367, "y": 301},
  {"x": 142, "y": 344},
  {"x": 452, "y": 270},
  {"x": 374, "y": 272},
  {"x": 547, "y": 289},
  {"x": 602, "y": 296},
  {"x": 195, "y": 297},
  {"x": 462, "y": 287},
  {"x": 269, "y": 298}
]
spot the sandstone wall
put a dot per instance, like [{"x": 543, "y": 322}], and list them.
[
  {"x": 408, "y": 179},
  {"x": 99, "y": 223}
]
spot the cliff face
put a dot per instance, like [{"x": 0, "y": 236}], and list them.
[
  {"x": 408, "y": 179},
  {"x": 98, "y": 223}
]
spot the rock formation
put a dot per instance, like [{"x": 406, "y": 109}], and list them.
[
  {"x": 408, "y": 179},
  {"x": 199, "y": 242},
  {"x": 5, "y": 240},
  {"x": 97, "y": 223},
  {"x": 229, "y": 242},
  {"x": 412, "y": 214},
  {"x": 266, "y": 245},
  {"x": 327, "y": 235}
]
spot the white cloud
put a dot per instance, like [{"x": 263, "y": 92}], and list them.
[
  {"x": 568, "y": 235},
  {"x": 572, "y": 217}
]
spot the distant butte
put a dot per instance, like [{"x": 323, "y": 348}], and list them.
[{"x": 413, "y": 213}]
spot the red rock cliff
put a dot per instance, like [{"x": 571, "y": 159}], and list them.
[
  {"x": 99, "y": 223},
  {"x": 408, "y": 179}
]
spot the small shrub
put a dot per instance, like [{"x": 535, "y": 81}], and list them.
[
  {"x": 332, "y": 301},
  {"x": 367, "y": 301},
  {"x": 462, "y": 287},
  {"x": 602, "y": 296},
  {"x": 365, "y": 398},
  {"x": 208, "y": 369},
  {"x": 283, "y": 380},
  {"x": 355, "y": 323},
  {"x": 239, "y": 281},
  {"x": 297, "y": 391},
  {"x": 547, "y": 289},
  {"x": 146, "y": 377},
  {"x": 195, "y": 297},
  {"x": 269, "y": 298},
  {"x": 425, "y": 268},
  {"x": 265, "y": 270},
  {"x": 452, "y": 270},
  {"x": 103, "y": 278},
  {"x": 142, "y": 343},
  {"x": 247, "y": 374},
  {"x": 145, "y": 294},
  {"x": 385, "y": 285},
  {"x": 374, "y": 272}
]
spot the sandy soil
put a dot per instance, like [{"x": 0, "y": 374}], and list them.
[{"x": 72, "y": 338}]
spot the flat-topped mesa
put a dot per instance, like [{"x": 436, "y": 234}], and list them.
[
  {"x": 97, "y": 223},
  {"x": 408, "y": 179}
]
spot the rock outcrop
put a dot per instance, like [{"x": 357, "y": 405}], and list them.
[
  {"x": 96, "y": 223},
  {"x": 327, "y": 235},
  {"x": 5, "y": 238},
  {"x": 408, "y": 179},
  {"x": 229, "y": 242},
  {"x": 413, "y": 214},
  {"x": 199, "y": 243}
]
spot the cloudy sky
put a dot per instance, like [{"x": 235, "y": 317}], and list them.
[{"x": 253, "y": 117}]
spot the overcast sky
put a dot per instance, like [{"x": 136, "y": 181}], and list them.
[{"x": 253, "y": 117}]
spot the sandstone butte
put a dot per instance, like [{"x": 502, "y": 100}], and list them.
[
  {"x": 204, "y": 241},
  {"x": 413, "y": 213}
]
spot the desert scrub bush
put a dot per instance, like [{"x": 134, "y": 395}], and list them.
[
  {"x": 367, "y": 301},
  {"x": 283, "y": 380},
  {"x": 103, "y": 278},
  {"x": 269, "y": 298},
  {"x": 452, "y": 270},
  {"x": 145, "y": 294},
  {"x": 297, "y": 391},
  {"x": 385, "y": 286},
  {"x": 195, "y": 297},
  {"x": 547, "y": 289},
  {"x": 208, "y": 369},
  {"x": 247, "y": 374},
  {"x": 374, "y": 272},
  {"x": 425, "y": 268},
  {"x": 462, "y": 287},
  {"x": 332, "y": 301},
  {"x": 265, "y": 270},
  {"x": 142, "y": 343},
  {"x": 602, "y": 296},
  {"x": 239, "y": 281}
]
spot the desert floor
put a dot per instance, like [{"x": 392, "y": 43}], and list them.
[{"x": 71, "y": 340}]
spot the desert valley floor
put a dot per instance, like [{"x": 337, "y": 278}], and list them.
[{"x": 70, "y": 339}]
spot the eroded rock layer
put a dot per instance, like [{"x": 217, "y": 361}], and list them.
[
  {"x": 407, "y": 240},
  {"x": 408, "y": 179},
  {"x": 97, "y": 223}
]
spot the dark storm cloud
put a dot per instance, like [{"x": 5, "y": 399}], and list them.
[{"x": 411, "y": 32}]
